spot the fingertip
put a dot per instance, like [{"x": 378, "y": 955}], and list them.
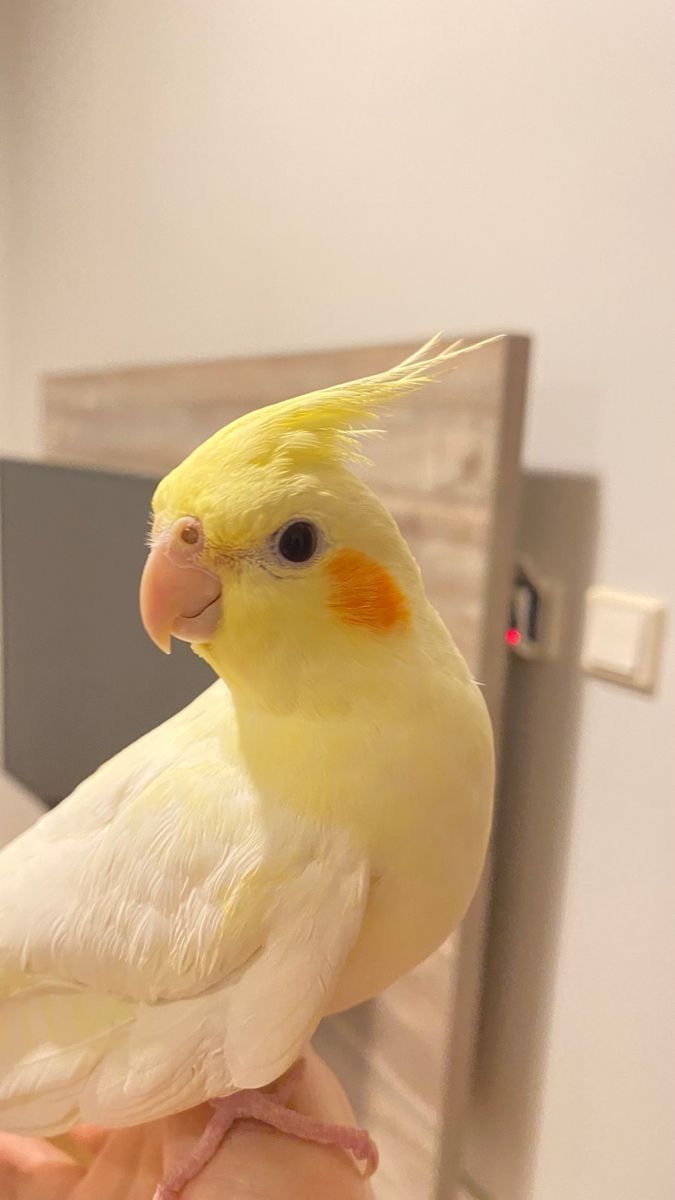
[
  {"x": 91, "y": 1137},
  {"x": 34, "y": 1168}
]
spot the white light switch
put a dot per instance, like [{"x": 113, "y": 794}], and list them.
[{"x": 622, "y": 637}]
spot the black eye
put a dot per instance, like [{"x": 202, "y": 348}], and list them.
[{"x": 298, "y": 542}]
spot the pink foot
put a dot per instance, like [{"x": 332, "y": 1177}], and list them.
[{"x": 268, "y": 1107}]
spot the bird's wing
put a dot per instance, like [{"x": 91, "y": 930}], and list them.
[
  {"x": 175, "y": 943},
  {"x": 148, "y": 852},
  {"x": 250, "y": 1026}
]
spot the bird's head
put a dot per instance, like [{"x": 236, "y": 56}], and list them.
[{"x": 279, "y": 565}]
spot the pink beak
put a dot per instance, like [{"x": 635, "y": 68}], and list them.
[{"x": 179, "y": 597}]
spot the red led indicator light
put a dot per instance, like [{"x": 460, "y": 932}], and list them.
[{"x": 513, "y": 637}]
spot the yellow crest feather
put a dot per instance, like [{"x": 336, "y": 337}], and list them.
[
  {"x": 325, "y": 426},
  {"x": 320, "y": 428}
]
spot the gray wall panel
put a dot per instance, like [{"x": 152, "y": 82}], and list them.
[{"x": 81, "y": 679}]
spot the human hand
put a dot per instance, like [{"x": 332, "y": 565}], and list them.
[{"x": 254, "y": 1162}]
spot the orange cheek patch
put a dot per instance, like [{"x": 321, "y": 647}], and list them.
[{"x": 363, "y": 593}]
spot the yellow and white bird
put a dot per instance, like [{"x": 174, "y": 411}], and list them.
[{"x": 304, "y": 832}]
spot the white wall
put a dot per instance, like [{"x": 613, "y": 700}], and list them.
[{"x": 195, "y": 180}]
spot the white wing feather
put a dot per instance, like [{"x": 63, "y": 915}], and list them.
[{"x": 164, "y": 935}]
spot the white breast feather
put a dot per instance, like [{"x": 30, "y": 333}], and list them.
[{"x": 164, "y": 937}]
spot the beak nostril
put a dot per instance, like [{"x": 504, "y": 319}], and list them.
[
  {"x": 190, "y": 534},
  {"x": 187, "y": 530}
]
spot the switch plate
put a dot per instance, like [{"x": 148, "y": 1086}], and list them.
[{"x": 622, "y": 637}]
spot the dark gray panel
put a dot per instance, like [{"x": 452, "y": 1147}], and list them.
[{"x": 81, "y": 679}]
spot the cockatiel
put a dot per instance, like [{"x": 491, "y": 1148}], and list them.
[{"x": 304, "y": 832}]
